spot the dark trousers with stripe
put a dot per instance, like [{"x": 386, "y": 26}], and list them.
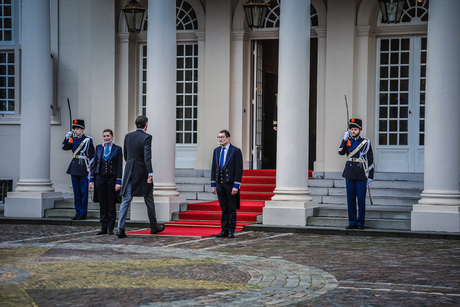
[
  {"x": 80, "y": 194},
  {"x": 356, "y": 190},
  {"x": 227, "y": 203}
]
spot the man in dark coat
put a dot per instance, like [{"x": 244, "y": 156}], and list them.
[
  {"x": 106, "y": 175},
  {"x": 358, "y": 172},
  {"x": 138, "y": 175},
  {"x": 226, "y": 174},
  {"x": 83, "y": 154}
]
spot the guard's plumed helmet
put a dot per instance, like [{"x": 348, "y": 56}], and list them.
[{"x": 355, "y": 123}]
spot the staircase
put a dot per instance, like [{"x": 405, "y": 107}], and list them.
[
  {"x": 392, "y": 198},
  {"x": 257, "y": 186}
]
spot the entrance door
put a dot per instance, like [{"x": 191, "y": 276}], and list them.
[
  {"x": 400, "y": 124},
  {"x": 257, "y": 107}
]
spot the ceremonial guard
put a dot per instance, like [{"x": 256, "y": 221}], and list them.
[
  {"x": 358, "y": 172},
  {"x": 106, "y": 175},
  {"x": 226, "y": 174},
  {"x": 79, "y": 168}
]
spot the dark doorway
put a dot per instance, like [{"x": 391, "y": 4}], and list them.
[{"x": 270, "y": 89}]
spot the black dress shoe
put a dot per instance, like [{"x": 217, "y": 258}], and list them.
[
  {"x": 110, "y": 232},
  {"x": 74, "y": 218},
  {"x": 102, "y": 232},
  {"x": 361, "y": 227},
  {"x": 351, "y": 227},
  {"x": 81, "y": 218},
  {"x": 221, "y": 234},
  {"x": 159, "y": 229},
  {"x": 231, "y": 235},
  {"x": 121, "y": 233}
]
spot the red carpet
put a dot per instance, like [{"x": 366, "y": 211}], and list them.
[{"x": 203, "y": 219}]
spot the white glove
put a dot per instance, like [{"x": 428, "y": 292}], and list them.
[
  {"x": 369, "y": 180},
  {"x": 346, "y": 135},
  {"x": 68, "y": 135}
]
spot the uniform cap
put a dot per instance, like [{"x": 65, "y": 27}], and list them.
[
  {"x": 79, "y": 123},
  {"x": 355, "y": 123}
]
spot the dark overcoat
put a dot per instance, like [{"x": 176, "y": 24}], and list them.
[{"x": 138, "y": 157}]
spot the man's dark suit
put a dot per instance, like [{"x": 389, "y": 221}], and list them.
[
  {"x": 224, "y": 178},
  {"x": 106, "y": 173},
  {"x": 138, "y": 157}
]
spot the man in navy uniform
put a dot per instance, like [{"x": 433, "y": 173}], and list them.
[
  {"x": 358, "y": 172},
  {"x": 226, "y": 173},
  {"x": 138, "y": 175},
  {"x": 83, "y": 154},
  {"x": 106, "y": 175}
]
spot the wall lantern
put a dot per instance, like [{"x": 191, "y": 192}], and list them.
[
  {"x": 255, "y": 11},
  {"x": 391, "y": 10},
  {"x": 134, "y": 14}
]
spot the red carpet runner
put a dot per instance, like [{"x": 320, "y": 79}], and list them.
[{"x": 203, "y": 219}]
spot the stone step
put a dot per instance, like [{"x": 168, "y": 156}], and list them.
[
  {"x": 68, "y": 213},
  {"x": 396, "y": 193},
  {"x": 393, "y": 224},
  {"x": 378, "y": 201},
  {"x": 372, "y": 212}
]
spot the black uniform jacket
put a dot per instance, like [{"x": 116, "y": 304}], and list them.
[
  {"x": 114, "y": 163},
  {"x": 78, "y": 166},
  {"x": 355, "y": 170},
  {"x": 138, "y": 157},
  {"x": 232, "y": 172}
]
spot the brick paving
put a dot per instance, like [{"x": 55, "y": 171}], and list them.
[{"x": 62, "y": 265}]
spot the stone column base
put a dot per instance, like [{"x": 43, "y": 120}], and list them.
[
  {"x": 30, "y": 204},
  {"x": 287, "y": 213},
  {"x": 435, "y": 218},
  {"x": 164, "y": 207}
]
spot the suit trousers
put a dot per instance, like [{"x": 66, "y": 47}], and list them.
[
  {"x": 126, "y": 202},
  {"x": 80, "y": 194},
  {"x": 227, "y": 203},
  {"x": 356, "y": 189},
  {"x": 105, "y": 186}
]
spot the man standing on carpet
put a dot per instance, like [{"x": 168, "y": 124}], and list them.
[
  {"x": 226, "y": 174},
  {"x": 358, "y": 172},
  {"x": 138, "y": 175}
]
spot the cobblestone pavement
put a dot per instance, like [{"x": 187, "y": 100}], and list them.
[{"x": 56, "y": 265}]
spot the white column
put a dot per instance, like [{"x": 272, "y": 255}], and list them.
[
  {"x": 292, "y": 202},
  {"x": 161, "y": 106},
  {"x": 34, "y": 192},
  {"x": 320, "y": 107},
  {"x": 439, "y": 208}
]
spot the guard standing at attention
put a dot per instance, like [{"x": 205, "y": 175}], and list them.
[
  {"x": 358, "y": 172},
  {"x": 79, "y": 168},
  {"x": 226, "y": 174}
]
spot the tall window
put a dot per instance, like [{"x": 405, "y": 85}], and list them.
[
  {"x": 9, "y": 56},
  {"x": 187, "y": 93},
  {"x": 186, "y": 76}
]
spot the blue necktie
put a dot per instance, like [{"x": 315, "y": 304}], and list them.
[
  {"x": 222, "y": 154},
  {"x": 106, "y": 153}
]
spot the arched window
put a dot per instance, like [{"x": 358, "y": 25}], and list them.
[
  {"x": 186, "y": 76},
  {"x": 273, "y": 16},
  {"x": 414, "y": 12}
]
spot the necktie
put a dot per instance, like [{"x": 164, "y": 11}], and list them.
[
  {"x": 106, "y": 153},
  {"x": 222, "y": 154}
]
